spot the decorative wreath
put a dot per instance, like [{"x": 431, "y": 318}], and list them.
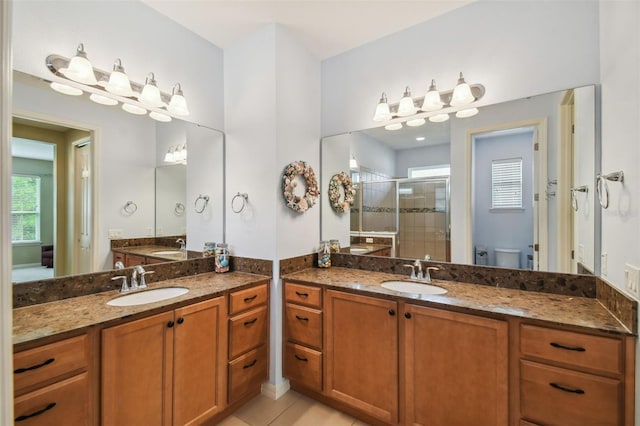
[
  {"x": 343, "y": 180},
  {"x": 295, "y": 202}
]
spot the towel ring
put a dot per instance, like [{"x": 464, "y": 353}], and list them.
[
  {"x": 244, "y": 197},
  {"x": 205, "y": 201},
  {"x": 601, "y": 186},
  {"x": 179, "y": 209},
  {"x": 130, "y": 207},
  {"x": 574, "y": 198}
]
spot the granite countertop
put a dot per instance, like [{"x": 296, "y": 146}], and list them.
[
  {"x": 47, "y": 319},
  {"x": 150, "y": 252},
  {"x": 582, "y": 312}
]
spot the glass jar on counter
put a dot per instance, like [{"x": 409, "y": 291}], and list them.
[
  {"x": 334, "y": 246},
  {"x": 324, "y": 255},
  {"x": 221, "y": 257},
  {"x": 209, "y": 249}
]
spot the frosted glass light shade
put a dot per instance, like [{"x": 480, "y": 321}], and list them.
[
  {"x": 461, "y": 93},
  {"x": 178, "y": 104},
  {"x": 382, "y": 110},
  {"x": 80, "y": 68},
  {"x": 439, "y": 118},
  {"x": 134, "y": 109},
  {"x": 406, "y": 106},
  {"x": 393, "y": 126},
  {"x": 150, "y": 93},
  {"x": 169, "y": 157},
  {"x": 64, "y": 89},
  {"x": 159, "y": 116},
  {"x": 465, "y": 113},
  {"x": 416, "y": 122},
  {"x": 432, "y": 100},
  {"x": 103, "y": 100},
  {"x": 119, "y": 83}
]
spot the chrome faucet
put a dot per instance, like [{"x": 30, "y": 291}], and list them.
[
  {"x": 417, "y": 271},
  {"x": 427, "y": 274},
  {"x": 139, "y": 270},
  {"x": 125, "y": 287},
  {"x": 183, "y": 245}
]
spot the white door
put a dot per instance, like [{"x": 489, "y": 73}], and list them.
[{"x": 82, "y": 208}]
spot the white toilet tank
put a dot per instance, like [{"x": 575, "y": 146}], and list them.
[{"x": 508, "y": 258}]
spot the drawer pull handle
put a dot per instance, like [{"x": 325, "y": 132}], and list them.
[
  {"x": 298, "y": 317},
  {"x": 568, "y": 348},
  {"x": 250, "y": 298},
  {"x": 33, "y": 367},
  {"x": 566, "y": 389},
  {"x": 299, "y": 358},
  {"x": 251, "y": 364},
  {"x": 248, "y": 323},
  {"x": 302, "y": 294},
  {"x": 37, "y": 413}
]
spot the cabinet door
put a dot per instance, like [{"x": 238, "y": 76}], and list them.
[
  {"x": 362, "y": 353},
  {"x": 199, "y": 373},
  {"x": 136, "y": 372},
  {"x": 455, "y": 368}
]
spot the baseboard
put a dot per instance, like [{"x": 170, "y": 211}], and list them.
[{"x": 275, "y": 391}]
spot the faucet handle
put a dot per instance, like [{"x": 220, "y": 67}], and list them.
[
  {"x": 413, "y": 271},
  {"x": 143, "y": 283},
  {"x": 125, "y": 286}
]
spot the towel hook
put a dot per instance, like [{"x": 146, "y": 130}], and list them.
[
  {"x": 205, "y": 201},
  {"x": 601, "y": 186},
  {"x": 574, "y": 198},
  {"x": 130, "y": 207},
  {"x": 244, "y": 197},
  {"x": 179, "y": 209}
]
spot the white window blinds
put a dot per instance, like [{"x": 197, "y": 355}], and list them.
[
  {"x": 25, "y": 208},
  {"x": 506, "y": 184}
]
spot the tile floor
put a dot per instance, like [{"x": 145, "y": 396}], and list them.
[{"x": 291, "y": 409}]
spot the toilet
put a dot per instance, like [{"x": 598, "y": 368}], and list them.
[{"x": 508, "y": 258}]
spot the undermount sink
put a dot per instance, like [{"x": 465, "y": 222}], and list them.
[
  {"x": 166, "y": 252},
  {"x": 413, "y": 287},
  {"x": 148, "y": 296},
  {"x": 358, "y": 250}
]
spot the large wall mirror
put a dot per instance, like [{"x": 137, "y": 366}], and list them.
[
  {"x": 512, "y": 186},
  {"x": 85, "y": 173}
]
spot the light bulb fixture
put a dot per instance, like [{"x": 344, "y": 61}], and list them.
[
  {"x": 382, "y": 110},
  {"x": 406, "y": 106},
  {"x": 420, "y": 138},
  {"x": 178, "y": 104},
  {"x": 134, "y": 109},
  {"x": 416, "y": 122},
  {"x": 80, "y": 68},
  {"x": 353, "y": 164},
  {"x": 439, "y": 118},
  {"x": 103, "y": 100},
  {"x": 119, "y": 83},
  {"x": 110, "y": 88},
  {"x": 465, "y": 113},
  {"x": 65, "y": 89},
  {"x": 432, "y": 101},
  {"x": 176, "y": 154},
  {"x": 393, "y": 126},
  {"x": 461, "y": 93},
  {"x": 150, "y": 94},
  {"x": 169, "y": 157}
]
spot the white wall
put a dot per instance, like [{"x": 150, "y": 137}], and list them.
[
  {"x": 620, "y": 68},
  {"x": 431, "y": 155},
  {"x": 336, "y": 152}
]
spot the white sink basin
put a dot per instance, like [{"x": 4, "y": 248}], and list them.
[
  {"x": 358, "y": 250},
  {"x": 148, "y": 296},
  {"x": 413, "y": 287},
  {"x": 166, "y": 252}
]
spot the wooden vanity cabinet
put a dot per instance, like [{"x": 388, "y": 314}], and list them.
[
  {"x": 362, "y": 353},
  {"x": 53, "y": 384},
  {"x": 166, "y": 369},
  {"x": 454, "y": 368},
  {"x": 303, "y": 318},
  {"x": 571, "y": 378},
  {"x": 248, "y": 325}
]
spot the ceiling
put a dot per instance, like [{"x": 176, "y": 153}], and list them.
[{"x": 327, "y": 28}]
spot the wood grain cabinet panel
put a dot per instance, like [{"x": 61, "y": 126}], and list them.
[
  {"x": 304, "y": 325},
  {"x": 304, "y": 365},
  {"x": 455, "y": 368},
  {"x": 242, "y": 300},
  {"x": 304, "y": 295},
  {"x": 247, "y": 372},
  {"x": 247, "y": 331}
]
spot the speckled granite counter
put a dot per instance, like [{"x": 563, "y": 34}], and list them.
[
  {"x": 47, "y": 319},
  {"x": 152, "y": 251},
  {"x": 575, "y": 311}
]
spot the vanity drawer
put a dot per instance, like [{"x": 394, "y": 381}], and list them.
[
  {"x": 63, "y": 403},
  {"x": 247, "y": 372},
  {"x": 44, "y": 363},
  {"x": 556, "y": 396},
  {"x": 303, "y": 365},
  {"x": 303, "y": 295},
  {"x": 304, "y": 325},
  {"x": 247, "y": 331},
  {"x": 576, "y": 349},
  {"x": 242, "y": 300}
]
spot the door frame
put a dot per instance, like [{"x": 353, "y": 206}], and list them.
[
  {"x": 540, "y": 210},
  {"x": 565, "y": 262}
]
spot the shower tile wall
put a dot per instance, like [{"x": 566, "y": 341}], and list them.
[
  {"x": 378, "y": 202},
  {"x": 422, "y": 221}
]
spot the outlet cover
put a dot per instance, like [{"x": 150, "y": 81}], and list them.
[
  {"x": 149, "y": 232},
  {"x": 632, "y": 279},
  {"x": 369, "y": 240},
  {"x": 115, "y": 233},
  {"x": 603, "y": 264}
]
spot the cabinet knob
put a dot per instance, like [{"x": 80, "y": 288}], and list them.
[
  {"x": 392, "y": 312},
  {"x": 170, "y": 324},
  {"x": 180, "y": 320},
  {"x": 407, "y": 315}
]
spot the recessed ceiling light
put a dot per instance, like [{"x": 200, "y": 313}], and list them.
[{"x": 420, "y": 138}]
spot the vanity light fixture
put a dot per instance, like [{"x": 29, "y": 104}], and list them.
[
  {"x": 416, "y": 122},
  {"x": 432, "y": 101},
  {"x": 150, "y": 95},
  {"x": 134, "y": 109},
  {"x": 440, "y": 118},
  {"x": 406, "y": 106},
  {"x": 119, "y": 83},
  {"x": 465, "y": 113},
  {"x": 65, "y": 89},
  {"x": 176, "y": 154},
  {"x": 158, "y": 116},
  {"x": 393, "y": 126},
  {"x": 353, "y": 164},
  {"x": 80, "y": 69},
  {"x": 461, "y": 93},
  {"x": 178, "y": 104},
  {"x": 382, "y": 110},
  {"x": 103, "y": 100}
]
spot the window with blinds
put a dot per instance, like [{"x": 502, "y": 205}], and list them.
[
  {"x": 25, "y": 208},
  {"x": 506, "y": 184}
]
